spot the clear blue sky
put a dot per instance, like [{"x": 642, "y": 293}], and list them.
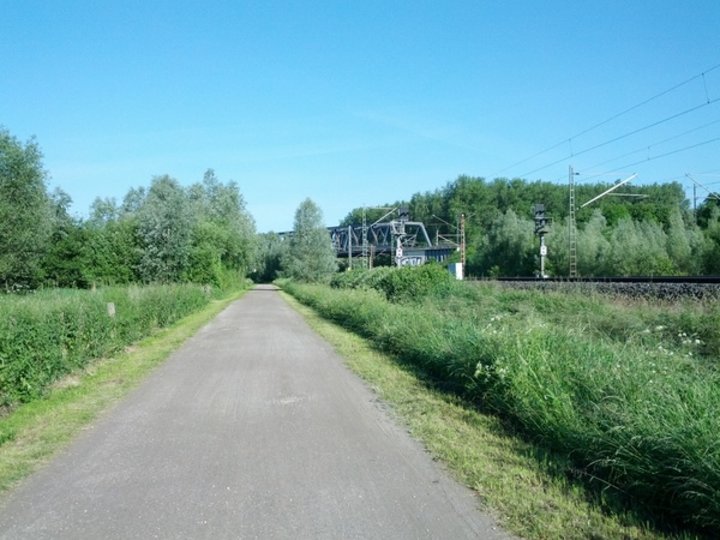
[{"x": 355, "y": 103}]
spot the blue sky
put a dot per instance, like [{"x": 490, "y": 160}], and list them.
[{"x": 357, "y": 103}]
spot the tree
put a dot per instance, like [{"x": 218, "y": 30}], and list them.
[
  {"x": 113, "y": 252},
  {"x": 164, "y": 232},
  {"x": 103, "y": 211},
  {"x": 25, "y": 213},
  {"x": 508, "y": 249},
  {"x": 272, "y": 251},
  {"x": 638, "y": 249},
  {"x": 711, "y": 255},
  {"x": 223, "y": 232},
  {"x": 705, "y": 209},
  {"x": 685, "y": 244},
  {"x": 310, "y": 255},
  {"x": 592, "y": 246},
  {"x": 65, "y": 264}
]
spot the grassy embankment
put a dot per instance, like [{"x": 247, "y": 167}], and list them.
[
  {"x": 63, "y": 359},
  {"x": 622, "y": 396}
]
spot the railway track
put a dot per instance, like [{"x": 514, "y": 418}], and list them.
[
  {"x": 661, "y": 287},
  {"x": 626, "y": 279}
]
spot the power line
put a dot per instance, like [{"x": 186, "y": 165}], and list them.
[
  {"x": 648, "y": 147},
  {"x": 624, "y": 135},
  {"x": 616, "y": 116},
  {"x": 711, "y": 194},
  {"x": 665, "y": 154}
]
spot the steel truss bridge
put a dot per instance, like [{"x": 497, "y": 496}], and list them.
[{"x": 407, "y": 241}]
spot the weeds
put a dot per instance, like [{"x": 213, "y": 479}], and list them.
[
  {"x": 50, "y": 333},
  {"x": 611, "y": 386}
]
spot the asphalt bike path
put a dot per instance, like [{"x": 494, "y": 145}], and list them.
[{"x": 254, "y": 428}]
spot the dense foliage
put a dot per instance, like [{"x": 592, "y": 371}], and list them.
[
  {"x": 170, "y": 234},
  {"x": 310, "y": 255},
  {"x": 25, "y": 213},
  {"x": 271, "y": 252},
  {"x": 398, "y": 284},
  {"x": 163, "y": 234},
  {"x": 50, "y": 333},
  {"x": 626, "y": 391},
  {"x": 655, "y": 233}
]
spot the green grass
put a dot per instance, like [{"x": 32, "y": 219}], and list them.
[
  {"x": 524, "y": 486},
  {"x": 49, "y": 333},
  {"x": 33, "y": 432},
  {"x": 636, "y": 417}
]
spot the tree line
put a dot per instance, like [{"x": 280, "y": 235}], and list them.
[
  {"x": 642, "y": 230},
  {"x": 160, "y": 234},
  {"x": 204, "y": 234}
]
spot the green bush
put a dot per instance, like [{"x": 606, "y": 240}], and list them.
[
  {"x": 50, "y": 333},
  {"x": 361, "y": 278},
  {"x": 410, "y": 283},
  {"x": 415, "y": 282}
]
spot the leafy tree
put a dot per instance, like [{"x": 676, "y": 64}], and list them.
[
  {"x": 508, "y": 249},
  {"x": 103, "y": 210},
  {"x": 272, "y": 251},
  {"x": 133, "y": 201},
  {"x": 164, "y": 232},
  {"x": 65, "y": 264},
  {"x": 557, "y": 242},
  {"x": 685, "y": 245},
  {"x": 711, "y": 255},
  {"x": 310, "y": 255},
  {"x": 639, "y": 248},
  {"x": 25, "y": 213},
  {"x": 206, "y": 251},
  {"x": 592, "y": 247},
  {"x": 223, "y": 233},
  {"x": 113, "y": 253},
  {"x": 705, "y": 210}
]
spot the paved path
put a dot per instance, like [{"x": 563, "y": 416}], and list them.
[{"x": 253, "y": 429}]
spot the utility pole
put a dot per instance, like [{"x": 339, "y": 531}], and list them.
[
  {"x": 350, "y": 246},
  {"x": 364, "y": 240},
  {"x": 572, "y": 233},
  {"x": 541, "y": 230},
  {"x": 462, "y": 242}
]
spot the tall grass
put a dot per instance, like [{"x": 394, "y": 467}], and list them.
[
  {"x": 50, "y": 333},
  {"x": 629, "y": 392}
]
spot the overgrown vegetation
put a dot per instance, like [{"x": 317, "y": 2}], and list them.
[
  {"x": 51, "y": 333},
  {"x": 520, "y": 483},
  {"x": 627, "y": 391}
]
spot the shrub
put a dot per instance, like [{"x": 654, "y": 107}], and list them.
[
  {"x": 48, "y": 334},
  {"x": 404, "y": 284}
]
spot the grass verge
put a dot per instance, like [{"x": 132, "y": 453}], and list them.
[
  {"x": 35, "y": 431},
  {"x": 525, "y": 487}
]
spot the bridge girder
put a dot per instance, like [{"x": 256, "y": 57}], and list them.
[{"x": 383, "y": 237}]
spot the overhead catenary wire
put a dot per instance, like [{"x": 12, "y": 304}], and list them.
[
  {"x": 656, "y": 143},
  {"x": 615, "y": 116},
  {"x": 653, "y": 158},
  {"x": 711, "y": 194},
  {"x": 623, "y": 136}
]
